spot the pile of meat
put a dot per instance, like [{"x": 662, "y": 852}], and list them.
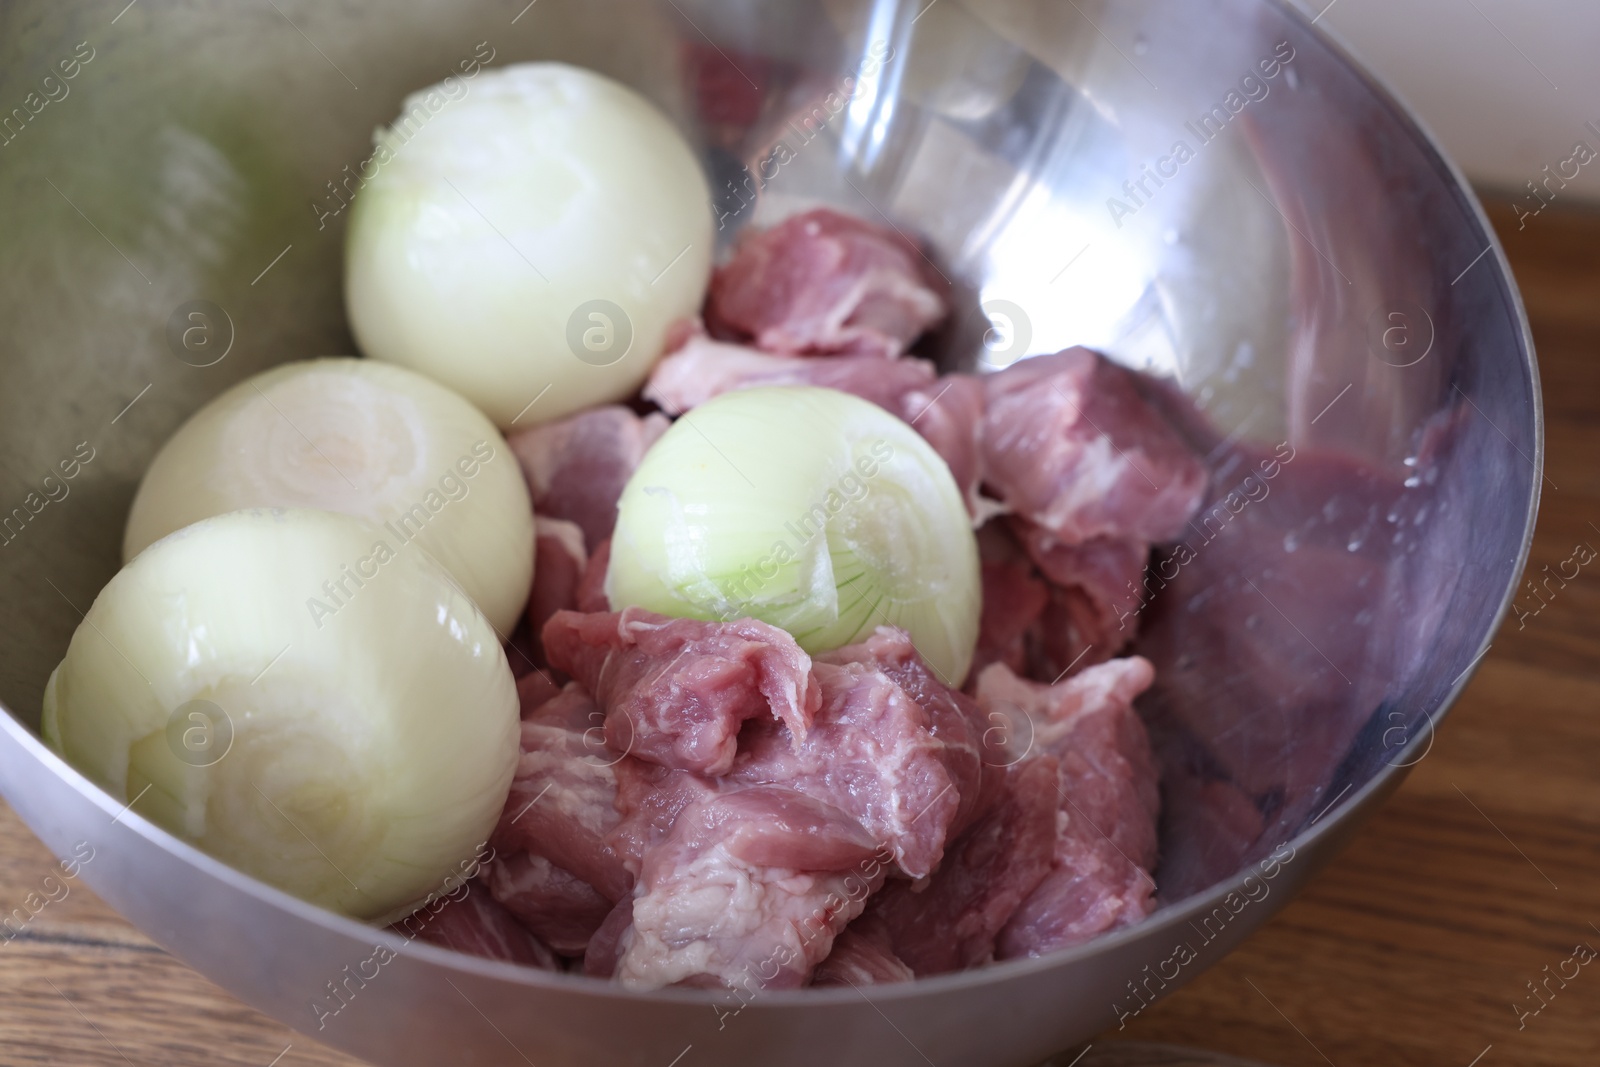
[{"x": 703, "y": 804}]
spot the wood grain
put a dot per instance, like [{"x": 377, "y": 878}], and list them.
[
  {"x": 1409, "y": 951},
  {"x": 80, "y": 986},
  {"x": 1140, "y": 1054}
]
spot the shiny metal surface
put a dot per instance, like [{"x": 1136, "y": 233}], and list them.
[{"x": 189, "y": 159}]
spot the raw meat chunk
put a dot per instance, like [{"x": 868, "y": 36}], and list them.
[
  {"x": 702, "y": 368},
  {"x": 1070, "y": 443},
  {"x": 1014, "y": 596},
  {"x": 747, "y": 892},
  {"x": 1106, "y": 839},
  {"x": 953, "y": 719},
  {"x": 562, "y": 802},
  {"x": 576, "y": 467},
  {"x": 871, "y": 755},
  {"x": 606, "y": 946},
  {"x": 591, "y": 593},
  {"x": 649, "y": 800},
  {"x": 675, "y": 691},
  {"x": 1107, "y": 569},
  {"x": 473, "y": 923},
  {"x": 558, "y": 569},
  {"x": 1090, "y": 891},
  {"x": 562, "y": 909},
  {"x": 1050, "y": 606},
  {"x": 1096, "y": 590},
  {"x": 534, "y": 690},
  {"x": 949, "y": 415},
  {"x": 1013, "y": 602},
  {"x": 825, "y": 282},
  {"x": 951, "y": 923},
  {"x": 862, "y": 955},
  {"x": 745, "y": 879}
]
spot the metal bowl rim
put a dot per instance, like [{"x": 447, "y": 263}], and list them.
[{"x": 1165, "y": 918}]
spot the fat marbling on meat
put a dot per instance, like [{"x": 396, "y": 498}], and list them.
[
  {"x": 826, "y": 282},
  {"x": 873, "y": 756},
  {"x": 747, "y": 891},
  {"x": 701, "y": 368},
  {"x": 1060, "y": 850},
  {"x": 953, "y": 718},
  {"x": 745, "y": 879},
  {"x": 1071, "y": 444},
  {"x": 675, "y": 691},
  {"x": 551, "y": 839}
]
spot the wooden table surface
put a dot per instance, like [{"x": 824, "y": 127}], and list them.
[{"x": 1411, "y": 950}]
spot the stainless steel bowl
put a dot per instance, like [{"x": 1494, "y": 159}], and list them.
[{"x": 1315, "y": 273}]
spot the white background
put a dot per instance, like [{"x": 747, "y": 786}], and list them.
[{"x": 1507, "y": 85}]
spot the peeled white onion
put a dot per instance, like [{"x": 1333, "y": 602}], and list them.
[
  {"x": 366, "y": 439},
  {"x": 354, "y": 757},
  {"x": 532, "y": 240},
  {"x": 807, "y": 508}
]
